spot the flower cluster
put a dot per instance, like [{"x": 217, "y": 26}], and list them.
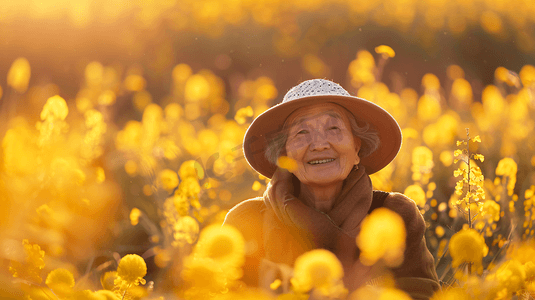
[
  {"x": 382, "y": 236},
  {"x": 215, "y": 263},
  {"x": 320, "y": 271},
  {"x": 471, "y": 182}
]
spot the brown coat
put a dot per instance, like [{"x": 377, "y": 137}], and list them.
[{"x": 272, "y": 244}]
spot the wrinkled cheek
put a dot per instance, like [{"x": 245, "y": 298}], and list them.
[
  {"x": 345, "y": 168},
  {"x": 303, "y": 176},
  {"x": 294, "y": 151}
]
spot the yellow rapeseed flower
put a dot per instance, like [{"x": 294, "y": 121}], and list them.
[
  {"x": 169, "y": 147},
  {"x": 249, "y": 294},
  {"x": 168, "y": 179},
  {"x": 490, "y": 211},
  {"x": 366, "y": 59},
  {"x": 131, "y": 270},
  {"x": 87, "y": 295},
  {"x": 107, "y": 280},
  {"x": 224, "y": 244},
  {"x": 287, "y": 163},
  {"x": 370, "y": 292},
  {"x": 134, "y": 83},
  {"x": 191, "y": 168},
  {"x": 94, "y": 72},
  {"x": 430, "y": 81},
  {"x": 181, "y": 72},
  {"x": 508, "y": 167},
  {"x": 130, "y": 167},
  {"x": 529, "y": 268},
  {"x": 491, "y": 22},
  {"x": 256, "y": 186},
  {"x": 107, "y": 295},
  {"x": 468, "y": 245},
  {"x": 18, "y": 76},
  {"x": 393, "y": 293},
  {"x": 314, "y": 65},
  {"x": 455, "y": 72},
  {"x": 446, "y": 158},
  {"x": 60, "y": 281},
  {"x": 275, "y": 284},
  {"x": 462, "y": 90},
  {"x": 385, "y": 50},
  {"x": 101, "y": 176},
  {"x": 316, "y": 269},
  {"x": 451, "y": 294},
  {"x": 416, "y": 193},
  {"x": 362, "y": 69},
  {"x": 493, "y": 102},
  {"x": 17, "y": 140},
  {"x": 439, "y": 231},
  {"x": 107, "y": 98},
  {"x": 509, "y": 277},
  {"x": 428, "y": 108},
  {"x": 209, "y": 141},
  {"x": 243, "y": 113},
  {"x": 130, "y": 137},
  {"x": 173, "y": 112},
  {"x": 181, "y": 203},
  {"x": 443, "y": 131},
  {"x": 479, "y": 157},
  {"x": 186, "y": 231},
  {"x": 527, "y": 75},
  {"x": 382, "y": 236},
  {"x": 197, "y": 88},
  {"x": 55, "y": 108},
  {"x": 523, "y": 252},
  {"x": 135, "y": 213},
  {"x": 190, "y": 188},
  {"x": 504, "y": 75},
  {"x": 32, "y": 264},
  {"x": 202, "y": 274}
]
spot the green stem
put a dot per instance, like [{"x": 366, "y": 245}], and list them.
[
  {"x": 469, "y": 189},
  {"x": 124, "y": 294},
  {"x": 469, "y": 177},
  {"x": 44, "y": 291}
]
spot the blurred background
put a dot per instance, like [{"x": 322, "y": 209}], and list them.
[
  {"x": 278, "y": 39},
  {"x": 142, "y": 148}
]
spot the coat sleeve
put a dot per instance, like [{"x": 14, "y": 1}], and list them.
[
  {"x": 247, "y": 217},
  {"x": 417, "y": 275}
]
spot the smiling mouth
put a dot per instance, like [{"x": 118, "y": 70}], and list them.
[{"x": 320, "y": 161}]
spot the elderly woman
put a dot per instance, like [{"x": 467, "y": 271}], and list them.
[{"x": 336, "y": 140}]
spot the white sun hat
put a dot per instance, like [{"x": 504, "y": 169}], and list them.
[{"x": 310, "y": 92}]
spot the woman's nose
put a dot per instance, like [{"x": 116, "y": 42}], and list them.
[{"x": 319, "y": 144}]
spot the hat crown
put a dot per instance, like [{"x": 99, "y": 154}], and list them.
[{"x": 314, "y": 87}]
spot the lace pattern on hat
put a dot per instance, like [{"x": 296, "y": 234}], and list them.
[{"x": 314, "y": 87}]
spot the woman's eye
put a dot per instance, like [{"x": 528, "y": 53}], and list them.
[
  {"x": 334, "y": 128},
  {"x": 302, "y": 131}
]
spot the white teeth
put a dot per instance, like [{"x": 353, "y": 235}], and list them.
[{"x": 321, "y": 161}]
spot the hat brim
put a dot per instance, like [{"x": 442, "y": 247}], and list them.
[{"x": 270, "y": 123}]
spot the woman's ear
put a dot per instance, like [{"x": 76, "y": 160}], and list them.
[{"x": 358, "y": 144}]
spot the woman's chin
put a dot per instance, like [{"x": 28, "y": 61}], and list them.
[{"x": 324, "y": 179}]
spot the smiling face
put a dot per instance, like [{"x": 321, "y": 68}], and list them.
[{"x": 321, "y": 142}]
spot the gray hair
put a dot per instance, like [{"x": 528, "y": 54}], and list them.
[{"x": 366, "y": 133}]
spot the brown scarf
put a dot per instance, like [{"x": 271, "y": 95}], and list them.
[
  {"x": 289, "y": 233},
  {"x": 286, "y": 236}
]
